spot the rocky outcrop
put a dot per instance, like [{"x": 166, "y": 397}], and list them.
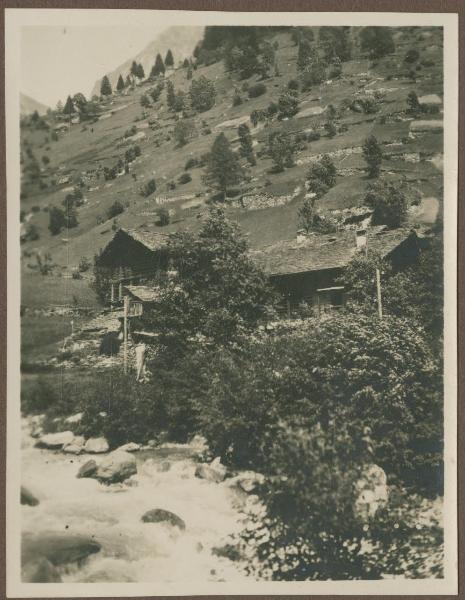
[
  {"x": 28, "y": 498},
  {"x": 215, "y": 471},
  {"x": 88, "y": 469},
  {"x": 159, "y": 515},
  {"x": 76, "y": 446},
  {"x": 129, "y": 447},
  {"x": 55, "y": 441},
  {"x": 96, "y": 445},
  {"x": 372, "y": 492},
  {"x": 116, "y": 467}
]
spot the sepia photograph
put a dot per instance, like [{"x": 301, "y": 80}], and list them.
[{"x": 231, "y": 302}]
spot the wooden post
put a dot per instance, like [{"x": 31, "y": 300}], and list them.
[
  {"x": 378, "y": 291},
  {"x": 125, "y": 333}
]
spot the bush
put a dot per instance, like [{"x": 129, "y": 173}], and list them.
[
  {"x": 293, "y": 84},
  {"x": 148, "y": 188},
  {"x": 202, "y": 94},
  {"x": 237, "y": 100},
  {"x": 115, "y": 209},
  {"x": 163, "y": 215},
  {"x": 184, "y": 178},
  {"x": 256, "y": 90},
  {"x": 191, "y": 163}
]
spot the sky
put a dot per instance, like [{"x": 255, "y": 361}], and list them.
[{"x": 57, "y": 61}]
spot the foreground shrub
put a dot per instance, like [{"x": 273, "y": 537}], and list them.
[{"x": 256, "y": 90}]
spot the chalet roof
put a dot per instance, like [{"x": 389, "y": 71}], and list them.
[
  {"x": 143, "y": 292},
  {"x": 318, "y": 252},
  {"x": 153, "y": 240}
]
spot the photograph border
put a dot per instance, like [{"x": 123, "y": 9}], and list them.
[{"x": 12, "y": 348}]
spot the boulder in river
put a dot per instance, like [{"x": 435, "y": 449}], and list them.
[
  {"x": 88, "y": 469},
  {"x": 246, "y": 481},
  {"x": 28, "y": 498},
  {"x": 215, "y": 471},
  {"x": 76, "y": 446},
  {"x": 74, "y": 418},
  {"x": 159, "y": 515},
  {"x": 57, "y": 548},
  {"x": 116, "y": 467},
  {"x": 96, "y": 445},
  {"x": 55, "y": 441},
  {"x": 130, "y": 447}
]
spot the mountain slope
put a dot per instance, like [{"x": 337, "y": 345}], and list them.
[
  {"x": 28, "y": 105},
  {"x": 181, "y": 40}
]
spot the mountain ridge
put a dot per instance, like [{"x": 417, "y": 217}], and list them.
[{"x": 28, "y": 105}]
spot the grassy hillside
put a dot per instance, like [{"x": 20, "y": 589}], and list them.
[{"x": 79, "y": 151}]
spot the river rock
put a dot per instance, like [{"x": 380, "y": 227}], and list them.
[
  {"x": 55, "y": 441},
  {"x": 116, "y": 467},
  {"x": 246, "y": 481},
  {"x": 96, "y": 445},
  {"x": 75, "y": 418},
  {"x": 57, "y": 548},
  {"x": 215, "y": 471},
  {"x": 159, "y": 515},
  {"x": 76, "y": 446},
  {"x": 28, "y": 497},
  {"x": 373, "y": 492},
  {"x": 40, "y": 571},
  {"x": 130, "y": 447},
  {"x": 88, "y": 469},
  {"x": 36, "y": 426}
]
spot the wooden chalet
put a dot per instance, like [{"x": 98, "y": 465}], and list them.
[{"x": 306, "y": 269}]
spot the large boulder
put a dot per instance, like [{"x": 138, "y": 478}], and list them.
[
  {"x": 96, "y": 445},
  {"x": 215, "y": 471},
  {"x": 247, "y": 481},
  {"x": 77, "y": 418},
  {"x": 55, "y": 441},
  {"x": 116, "y": 467},
  {"x": 57, "y": 548},
  {"x": 372, "y": 492},
  {"x": 88, "y": 469},
  {"x": 76, "y": 446},
  {"x": 159, "y": 515},
  {"x": 28, "y": 498}
]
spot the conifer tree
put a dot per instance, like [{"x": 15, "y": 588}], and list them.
[
  {"x": 223, "y": 167},
  {"x": 140, "y": 71},
  {"x": 134, "y": 68},
  {"x": 185, "y": 63},
  {"x": 158, "y": 68},
  {"x": 169, "y": 61},
  {"x": 170, "y": 95},
  {"x": 373, "y": 156},
  {"x": 69, "y": 106},
  {"x": 128, "y": 81},
  {"x": 105, "y": 87},
  {"x": 120, "y": 84},
  {"x": 245, "y": 139}
]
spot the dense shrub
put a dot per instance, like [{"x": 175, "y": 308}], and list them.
[
  {"x": 191, "y": 163},
  {"x": 148, "y": 188},
  {"x": 237, "y": 100},
  {"x": 256, "y": 90},
  {"x": 184, "y": 178},
  {"x": 115, "y": 209}
]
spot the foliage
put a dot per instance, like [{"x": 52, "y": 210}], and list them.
[
  {"x": 163, "y": 215},
  {"x": 183, "y": 131},
  {"x": 388, "y": 202},
  {"x": 321, "y": 176},
  {"x": 311, "y": 220},
  {"x": 191, "y": 163},
  {"x": 59, "y": 219},
  {"x": 281, "y": 150},
  {"x": 202, "y": 94},
  {"x": 237, "y": 99},
  {"x": 336, "y": 43},
  {"x": 256, "y": 90},
  {"x": 377, "y": 41},
  {"x": 412, "y": 56},
  {"x": 69, "y": 106},
  {"x": 158, "y": 67},
  {"x": 223, "y": 168},
  {"x": 413, "y": 103},
  {"x": 288, "y": 105},
  {"x": 120, "y": 84},
  {"x": 246, "y": 149},
  {"x": 169, "y": 61},
  {"x": 105, "y": 87},
  {"x": 218, "y": 294},
  {"x": 115, "y": 209},
  {"x": 373, "y": 156},
  {"x": 311, "y": 66},
  {"x": 148, "y": 188},
  {"x": 184, "y": 178}
]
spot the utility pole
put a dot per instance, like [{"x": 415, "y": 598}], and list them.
[
  {"x": 125, "y": 333},
  {"x": 378, "y": 291}
]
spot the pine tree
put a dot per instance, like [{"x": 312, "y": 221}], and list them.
[
  {"x": 59, "y": 107},
  {"x": 245, "y": 139},
  {"x": 158, "y": 68},
  {"x": 69, "y": 106},
  {"x": 134, "y": 68},
  {"x": 373, "y": 155},
  {"x": 140, "y": 71},
  {"x": 120, "y": 84},
  {"x": 169, "y": 61},
  {"x": 223, "y": 167},
  {"x": 377, "y": 41},
  {"x": 185, "y": 63},
  {"x": 128, "y": 81},
  {"x": 105, "y": 87}
]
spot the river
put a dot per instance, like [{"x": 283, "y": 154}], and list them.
[{"x": 133, "y": 551}]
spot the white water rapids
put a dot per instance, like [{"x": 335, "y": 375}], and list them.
[{"x": 133, "y": 551}]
